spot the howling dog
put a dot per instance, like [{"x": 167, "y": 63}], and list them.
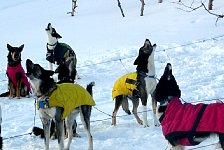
[
  {"x": 59, "y": 102},
  {"x": 58, "y": 53},
  {"x": 137, "y": 85},
  {"x": 185, "y": 124},
  {"x": 18, "y": 84}
]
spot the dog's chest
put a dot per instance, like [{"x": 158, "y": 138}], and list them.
[{"x": 47, "y": 113}]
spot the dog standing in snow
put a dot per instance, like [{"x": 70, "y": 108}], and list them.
[
  {"x": 58, "y": 53},
  {"x": 137, "y": 85},
  {"x": 185, "y": 124}
]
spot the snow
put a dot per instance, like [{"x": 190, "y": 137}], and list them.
[{"x": 106, "y": 45}]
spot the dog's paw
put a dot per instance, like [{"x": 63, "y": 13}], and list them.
[
  {"x": 156, "y": 123},
  {"x": 145, "y": 125}
]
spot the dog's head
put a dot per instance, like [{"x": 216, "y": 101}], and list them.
[
  {"x": 40, "y": 79},
  {"x": 166, "y": 89},
  {"x": 145, "y": 52},
  {"x": 52, "y": 34},
  {"x": 14, "y": 54}
]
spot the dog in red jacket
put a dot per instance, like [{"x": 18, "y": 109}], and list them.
[
  {"x": 18, "y": 82},
  {"x": 186, "y": 124}
]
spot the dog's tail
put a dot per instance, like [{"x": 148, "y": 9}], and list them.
[
  {"x": 89, "y": 88},
  {"x": 6, "y": 94}
]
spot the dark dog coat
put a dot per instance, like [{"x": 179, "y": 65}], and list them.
[
  {"x": 60, "y": 52},
  {"x": 182, "y": 121},
  {"x": 11, "y": 72}
]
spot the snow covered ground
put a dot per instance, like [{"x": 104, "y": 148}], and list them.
[{"x": 106, "y": 45}]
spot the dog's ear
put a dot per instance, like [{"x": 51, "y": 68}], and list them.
[
  {"x": 58, "y": 36},
  {"x": 55, "y": 34},
  {"x": 9, "y": 47},
  {"x": 21, "y": 48}
]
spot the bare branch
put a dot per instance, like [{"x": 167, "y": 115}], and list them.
[
  {"x": 119, "y": 5},
  {"x": 74, "y": 6},
  {"x": 191, "y": 8},
  {"x": 142, "y": 8}
]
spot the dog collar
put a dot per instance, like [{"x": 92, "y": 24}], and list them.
[
  {"x": 52, "y": 44},
  {"x": 42, "y": 102},
  {"x": 146, "y": 75}
]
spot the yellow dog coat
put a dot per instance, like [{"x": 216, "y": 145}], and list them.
[
  {"x": 69, "y": 96},
  {"x": 123, "y": 87}
]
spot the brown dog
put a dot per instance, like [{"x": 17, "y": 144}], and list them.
[{"x": 17, "y": 81}]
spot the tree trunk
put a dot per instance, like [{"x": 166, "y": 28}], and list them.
[
  {"x": 142, "y": 8},
  {"x": 74, "y": 5},
  {"x": 210, "y": 4},
  {"x": 119, "y": 5},
  {"x": 160, "y": 1}
]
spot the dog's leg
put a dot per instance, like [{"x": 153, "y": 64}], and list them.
[
  {"x": 50, "y": 66},
  {"x": 118, "y": 102},
  {"x": 144, "y": 107},
  {"x": 46, "y": 126},
  {"x": 11, "y": 90},
  {"x": 85, "y": 117},
  {"x": 221, "y": 140},
  {"x": 154, "y": 108},
  {"x": 18, "y": 84},
  {"x": 135, "y": 102},
  {"x": 69, "y": 126},
  {"x": 59, "y": 128}
]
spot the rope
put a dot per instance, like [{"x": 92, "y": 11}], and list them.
[
  {"x": 11, "y": 137},
  {"x": 124, "y": 66}
]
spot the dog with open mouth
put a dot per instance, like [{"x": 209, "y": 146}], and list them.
[
  {"x": 186, "y": 124},
  {"x": 58, "y": 53},
  {"x": 59, "y": 102},
  {"x": 137, "y": 85}
]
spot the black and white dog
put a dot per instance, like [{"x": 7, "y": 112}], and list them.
[
  {"x": 58, "y": 53},
  {"x": 59, "y": 102},
  {"x": 185, "y": 124},
  {"x": 137, "y": 85}
]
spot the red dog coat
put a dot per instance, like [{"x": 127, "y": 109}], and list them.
[
  {"x": 11, "y": 72},
  {"x": 179, "y": 120}
]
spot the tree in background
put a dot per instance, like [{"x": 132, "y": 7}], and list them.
[{"x": 74, "y": 5}]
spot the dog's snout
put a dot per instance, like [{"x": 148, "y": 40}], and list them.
[{"x": 48, "y": 27}]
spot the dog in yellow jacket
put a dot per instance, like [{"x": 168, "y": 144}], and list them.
[
  {"x": 137, "y": 85},
  {"x": 51, "y": 105}
]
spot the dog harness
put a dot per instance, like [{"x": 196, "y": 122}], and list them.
[
  {"x": 182, "y": 122},
  {"x": 12, "y": 71},
  {"x": 68, "y": 96}
]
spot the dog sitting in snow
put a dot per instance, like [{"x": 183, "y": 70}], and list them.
[
  {"x": 186, "y": 124},
  {"x": 58, "y": 53},
  {"x": 17, "y": 79},
  {"x": 59, "y": 102},
  {"x": 137, "y": 85}
]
